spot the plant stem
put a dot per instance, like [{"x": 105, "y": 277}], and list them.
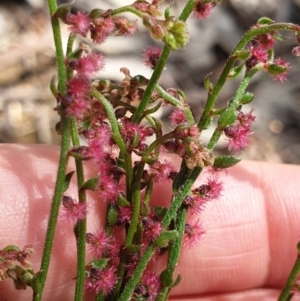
[
  {"x": 249, "y": 35},
  {"x": 286, "y": 293},
  {"x": 80, "y": 228},
  {"x": 40, "y": 277}
]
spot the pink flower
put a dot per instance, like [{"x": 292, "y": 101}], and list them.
[
  {"x": 193, "y": 233},
  {"x": 124, "y": 27},
  {"x": 80, "y": 23},
  {"x": 152, "y": 228},
  {"x": 266, "y": 41},
  {"x": 72, "y": 211},
  {"x": 239, "y": 132},
  {"x": 88, "y": 64},
  {"x": 151, "y": 56},
  {"x": 77, "y": 108},
  {"x": 78, "y": 86},
  {"x": 257, "y": 55},
  {"x": 101, "y": 281},
  {"x": 98, "y": 243},
  {"x": 101, "y": 29},
  {"x": 107, "y": 188},
  {"x": 149, "y": 287},
  {"x": 202, "y": 10},
  {"x": 282, "y": 76},
  {"x": 178, "y": 117},
  {"x": 211, "y": 190},
  {"x": 161, "y": 171}
]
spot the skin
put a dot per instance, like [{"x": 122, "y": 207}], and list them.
[{"x": 246, "y": 253}]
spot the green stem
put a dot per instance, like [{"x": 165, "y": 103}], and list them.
[
  {"x": 174, "y": 253},
  {"x": 176, "y": 102},
  {"x": 40, "y": 277},
  {"x": 249, "y": 35},
  {"x": 286, "y": 293},
  {"x": 127, "y": 9},
  {"x": 118, "y": 139},
  {"x": 135, "y": 277},
  {"x": 80, "y": 228}
]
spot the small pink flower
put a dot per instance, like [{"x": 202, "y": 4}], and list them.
[
  {"x": 266, "y": 41},
  {"x": 211, "y": 190},
  {"x": 88, "y": 64},
  {"x": 124, "y": 215},
  {"x": 80, "y": 23},
  {"x": 78, "y": 86},
  {"x": 282, "y": 76},
  {"x": 101, "y": 281},
  {"x": 72, "y": 211},
  {"x": 151, "y": 56},
  {"x": 150, "y": 286},
  {"x": 101, "y": 29},
  {"x": 152, "y": 228},
  {"x": 193, "y": 233},
  {"x": 178, "y": 117},
  {"x": 98, "y": 243},
  {"x": 238, "y": 137},
  {"x": 202, "y": 10},
  {"x": 107, "y": 188},
  {"x": 124, "y": 27},
  {"x": 161, "y": 171},
  {"x": 257, "y": 55},
  {"x": 77, "y": 108}
]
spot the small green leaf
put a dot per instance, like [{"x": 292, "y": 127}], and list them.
[
  {"x": 243, "y": 55},
  {"x": 10, "y": 248},
  {"x": 112, "y": 215},
  {"x": 165, "y": 237},
  {"x": 166, "y": 278},
  {"x": 265, "y": 21},
  {"x": 90, "y": 184},
  {"x": 275, "y": 69},
  {"x": 246, "y": 98},
  {"x": 122, "y": 201},
  {"x": 177, "y": 281},
  {"x": 160, "y": 211},
  {"x": 168, "y": 12},
  {"x": 63, "y": 10},
  {"x": 225, "y": 161},
  {"x": 227, "y": 118},
  {"x": 99, "y": 263},
  {"x": 67, "y": 181},
  {"x": 207, "y": 83},
  {"x": 76, "y": 54},
  {"x": 53, "y": 87},
  {"x": 96, "y": 13},
  {"x": 236, "y": 71},
  {"x": 271, "y": 55}
]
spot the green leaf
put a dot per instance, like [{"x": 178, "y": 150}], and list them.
[
  {"x": 207, "y": 83},
  {"x": 63, "y": 10},
  {"x": 271, "y": 55},
  {"x": 166, "y": 278},
  {"x": 90, "y": 184},
  {"x": 112, "y": 215},
  {"x": 53, "y": 87},
  {"x": 168, "y": 12},
  {"x": 67, "y": 181},
  {"x": 225, "y": 161},
  {"x": 122, "y": 201},
  {"x": 177, "y": 281},
  {"x": 227, "y": 118},
  {"x": 99, "y": 263},
  {"x": 95, "y": 13},
  {"x": 236, "y": 71},
  {"x": 275, "y": 69},
  {"x": 76, "y": 54},
  {"x": 165, "y": 237},
  {"x": 243, "y": 55},
  {"x": 246, "y": 98},
  {"x": 265, "y": 21}
]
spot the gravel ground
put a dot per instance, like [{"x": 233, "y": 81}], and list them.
[{"x": 27, "y": 64}]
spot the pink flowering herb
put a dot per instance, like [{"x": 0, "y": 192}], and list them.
[
  {"x": 73, "y": 211},
  {"x": 202, "y": 10},
  {"x": 151, "y": 56},
  {"x": 193, "y": 233},
  {"x": 79, "y": 23}
]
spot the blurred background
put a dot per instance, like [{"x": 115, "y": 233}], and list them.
[{"x": 27, "y": 64}]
